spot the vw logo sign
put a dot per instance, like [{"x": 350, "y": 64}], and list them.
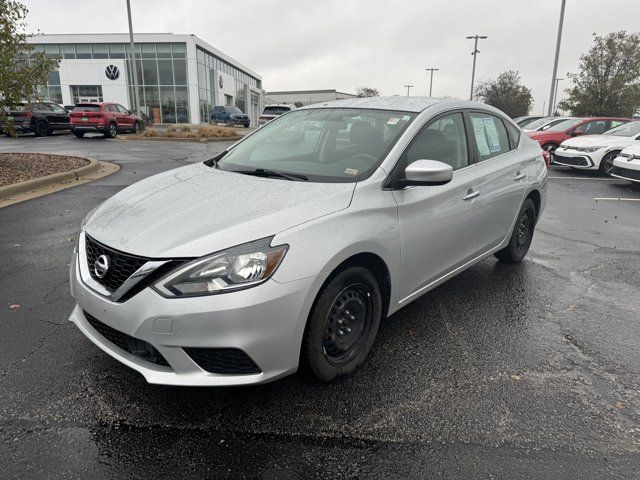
[
  {"x": 101, "y": 266},
  {"x": 112, "y": 72},
  {"x": 220, "y": 81}
]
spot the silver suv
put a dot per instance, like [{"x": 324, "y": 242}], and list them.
[{"x": 291, "y": 246}]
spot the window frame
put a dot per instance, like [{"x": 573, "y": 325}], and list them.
[
  {"x": 393, "y": 181},
  {"x": 476, "y": 150}
]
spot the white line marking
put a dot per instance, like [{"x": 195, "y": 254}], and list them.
[{"x": 618, "y": 199}]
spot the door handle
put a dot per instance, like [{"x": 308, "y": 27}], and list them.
[
  {"x": 471, "y": 194},
  {"x": 519, "y": 176}
]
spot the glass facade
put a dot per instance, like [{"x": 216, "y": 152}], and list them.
[{"x": 208, "y": 64}]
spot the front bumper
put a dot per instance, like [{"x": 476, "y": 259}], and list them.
[
  {"x": 575, "y": 159},
  {"x": 265, "y": 322},
  {"x": 626, "y": 169}
]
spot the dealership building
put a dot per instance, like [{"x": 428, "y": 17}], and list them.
[
  {"x": 305, "y": 97},
  {"x": 180, "y": 77}
]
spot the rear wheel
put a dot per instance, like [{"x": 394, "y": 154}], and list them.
[
  {"x": 522, "y": 235},
  {"x": 136, "y": 127},
  {"x": 112, "y": 131},
  {"x": 606, "y": 164},
  {"x": 79, "y": 134},
  {"x": 343, "y": 324},
  {"x": 41, "y": 129}
]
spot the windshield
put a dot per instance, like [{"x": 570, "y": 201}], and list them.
[
  {"x": 627, "y": 130},
  {"x": 275, "y": 110},
  {"x": 537, "y": 123},
  {"x": 564, "y": 125},
  {"x": 323, "y": 145},
  {"x": 233, "y": 110}
]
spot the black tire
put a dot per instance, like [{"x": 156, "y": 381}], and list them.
[
  {"x": 41, "y": 129},
  {"x": 343, "y": 324},
  {"x": 112, "y": 131},
  {"x": 521, "y": 236},
  {"x": 136, "y": 127},
  {"x": 606, "y": 164},
  {"x": 79, "y": 134}
]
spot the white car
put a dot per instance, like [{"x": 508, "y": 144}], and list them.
[
  {"x": 627, "y": 164},
  {"x": 272, "y": 111},
  {"x": 597, "y": 152}
]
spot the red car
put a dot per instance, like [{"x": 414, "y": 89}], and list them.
[
  {"x": 552, "y": 137},
  {"x": 103, "y": 117}
]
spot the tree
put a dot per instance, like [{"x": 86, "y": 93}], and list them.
[
  {"x": 608, "y": 81},
  {"x": 506, "y": 93},
  {"x": 367, "y": 92},
  {"x": 20, "y": 75}
]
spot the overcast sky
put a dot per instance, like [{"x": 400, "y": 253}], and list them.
[{"x": 342, "y": 44}]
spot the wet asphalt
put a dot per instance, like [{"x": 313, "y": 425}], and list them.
[{"x": 525, "y": 371}]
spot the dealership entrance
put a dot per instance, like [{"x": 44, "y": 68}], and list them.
[{"x": 86, "y": 93}]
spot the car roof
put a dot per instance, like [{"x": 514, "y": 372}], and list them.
[{"x": 404, "y": 104}]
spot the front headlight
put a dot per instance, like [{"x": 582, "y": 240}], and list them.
[
  {"x": 591, "y": 149},
  {"x": 237, "y": 268}
]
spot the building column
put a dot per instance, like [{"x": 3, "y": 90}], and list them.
[{"x": 192, "y": 81}]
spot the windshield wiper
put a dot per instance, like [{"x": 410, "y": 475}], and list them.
[{"x": 265, "y": 172}]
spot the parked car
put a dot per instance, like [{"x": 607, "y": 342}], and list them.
[
  {"x": 230, "y": 116},
  {"x": 597, "y": 152},
  {"x": 523, "y": 121},
  {"x": 573, "y": 127},
  {"x": 68, "y": 108},
  {"x": 40, "y": 118},
  {"x": 627, "y": 164},
  {"x": 147, "y": 120},
  {"x": 272, "y": 111},
  {"x": 285, "y": 248},
  {"x": 544, "y": 124},
  {"x": 104, "y": 117}
]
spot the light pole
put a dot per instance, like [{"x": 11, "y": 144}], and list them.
[
  {"x": 408, "y": 87},
  {"x": 474, "y": 53},
  {"x": 136, "y": 102},
  {"x": 555, "y": 95},
  {"x": 431, "y": 81},
  {"x": 555, "y": 61}
]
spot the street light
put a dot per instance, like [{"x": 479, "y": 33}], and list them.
[
  {"x": 554, "y": 83},
  {"x": 431, "y": 81},
  {"x": 408, "y": 87},
  {"x": 555, "y": 96},
  {"x": 136, "y": 102},
  {"x": 474, "y": 53}
]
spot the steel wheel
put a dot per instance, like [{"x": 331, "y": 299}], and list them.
[
  {"x": 523, "y": 232},
  {"x": 521, "y": 236},
  {"x": 348, "y": 324}
]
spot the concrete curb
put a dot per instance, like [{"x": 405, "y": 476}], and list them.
[
  {"x": 42, "y": 182},
  {"x": 171, "y": 139}
]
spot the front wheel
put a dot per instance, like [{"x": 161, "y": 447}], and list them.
[
  {"x": 522, "y": 235},
  {"x": 343, "y": 324},
  {"x": 606, "y": 164},
  {"x": 136, "y": 128}
]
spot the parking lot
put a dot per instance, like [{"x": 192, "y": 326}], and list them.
[{"x": 506, "y": 371}]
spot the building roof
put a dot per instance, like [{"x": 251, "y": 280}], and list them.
[
  {"x": 74, "y": 38},
  {"x": 405, "y": 104}
]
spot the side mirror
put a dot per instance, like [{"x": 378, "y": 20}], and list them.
[
  {"x": 427, "y": 172},
  {"x": 575, "y": 133}
]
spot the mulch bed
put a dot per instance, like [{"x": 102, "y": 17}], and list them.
[{"x": 18, "y": 167}]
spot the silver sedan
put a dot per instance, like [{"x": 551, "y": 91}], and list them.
[{"x": 291, "y": 246}]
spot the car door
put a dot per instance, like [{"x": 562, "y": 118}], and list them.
[
  {"x": 61, "y": 116},
  {"x": 126, "y": 117},
  {"x": 438, "y": 223},
  {"x": 45, "y": 110},
  {"x": 503, "y": 168},
  {"x": 116, "y": 115}
]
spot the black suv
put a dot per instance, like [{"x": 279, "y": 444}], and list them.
[{"x": 41, "y": 118}]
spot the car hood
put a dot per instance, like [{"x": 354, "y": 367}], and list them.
[
  {"x": 598, "y": 140},
  {"x": 544, "y": 135},
  {"x": 196, "y": 210}
]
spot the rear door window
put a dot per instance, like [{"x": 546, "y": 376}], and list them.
[{"x": 490, "y": 135}]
